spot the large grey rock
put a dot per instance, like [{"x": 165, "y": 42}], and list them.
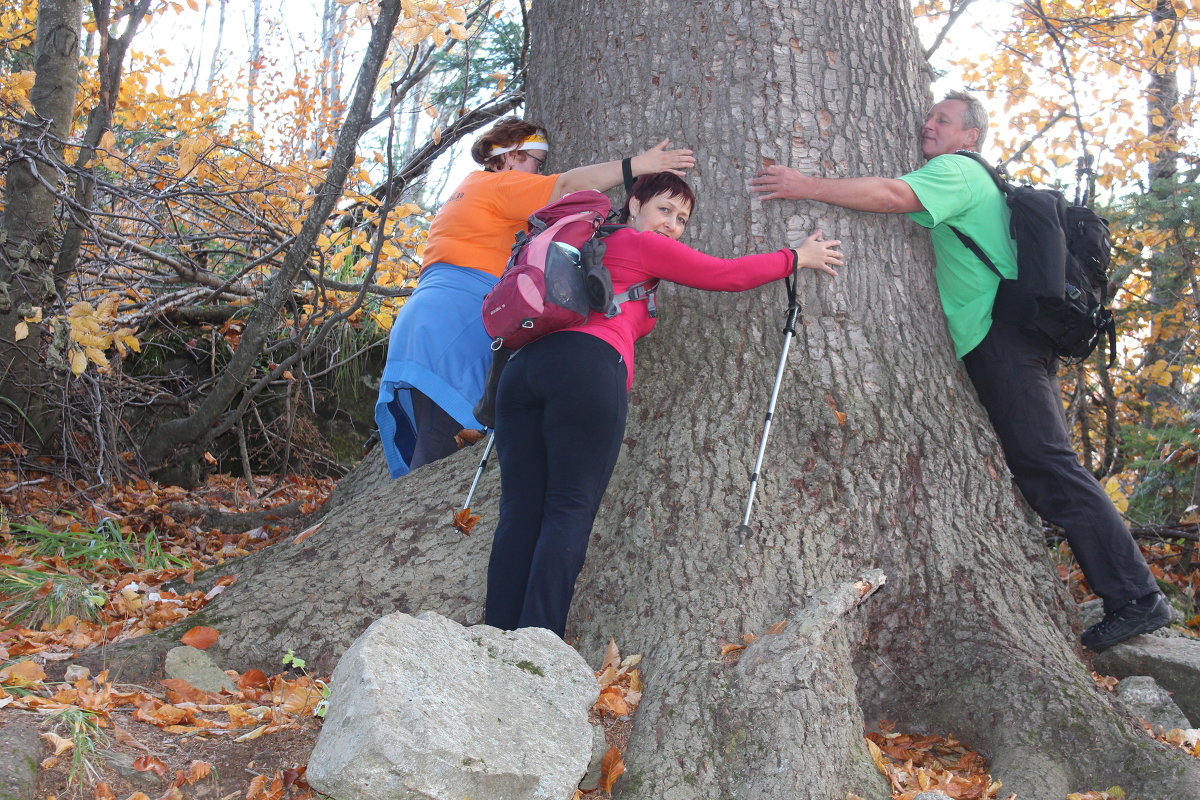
[
  {"x": 1146, "y": 700},
  {"x": 591, "y": 780},
  {"x": 1173, "y": 660},
  {"x": 425, "y": 709},
  {"x": 20, "y": 754},
  {"x": 197, "y": 668}
]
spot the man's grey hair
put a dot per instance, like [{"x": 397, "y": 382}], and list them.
[{"x": 975, "y": 115}]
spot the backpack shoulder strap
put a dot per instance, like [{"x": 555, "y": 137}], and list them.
[
  {"x": 1004, "y": 187},
  {"x": 645, "y": 290},
  {"x": 970, "y": 244},
  {"x": 1001, "y": 184}
]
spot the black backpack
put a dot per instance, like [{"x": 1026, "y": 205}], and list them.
[{"x": 1063, "y": 253}]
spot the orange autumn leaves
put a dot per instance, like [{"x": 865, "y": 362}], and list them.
[
  {"x": 144, "y": 518},
  {"x": 196, "y": 772},
  {"x": 915, "y": 763},
  {"x": 620, "y": 692},
  {"x": 260, "y": 704},
  {"x": 464, "y": 521},
  {"x": 200, "y": 637}
]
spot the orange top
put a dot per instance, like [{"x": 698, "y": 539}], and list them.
[{"x": 476, "y": 226}]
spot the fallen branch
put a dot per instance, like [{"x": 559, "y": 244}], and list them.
[{"x": 235, "y": 522}]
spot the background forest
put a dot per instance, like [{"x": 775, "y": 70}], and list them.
[
  {"x": 174, "y": 218},
  {"x": 212, "y": 210}
]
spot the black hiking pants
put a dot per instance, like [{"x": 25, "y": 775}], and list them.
[
  {"x": 1014, "y": 376},
  {"x": 560, "y": 419},
  {"x": 435, "y": 431}
]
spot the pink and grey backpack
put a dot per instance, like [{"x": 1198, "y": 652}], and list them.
[{"x": 556, "y": 276}]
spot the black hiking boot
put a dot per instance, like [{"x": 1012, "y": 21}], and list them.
[{"x": 1143, "y": 615}]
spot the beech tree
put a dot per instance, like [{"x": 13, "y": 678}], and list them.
[
  {"x": 26, "y": 246},
  {"x": 915, "y": 584}
]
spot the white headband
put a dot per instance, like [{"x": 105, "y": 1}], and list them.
[{"x": 535, "y": 142}]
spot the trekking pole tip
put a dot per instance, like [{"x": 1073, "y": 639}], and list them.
[{"x": 743, "y": 532}]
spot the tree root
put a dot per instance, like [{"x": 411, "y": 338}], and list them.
[
  {"x": 800, "y": 684},
  {"x": 235, "y": 522}
]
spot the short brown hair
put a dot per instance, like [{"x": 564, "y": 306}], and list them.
[
  {"x": 647, "y": 187},
  {"x": 506, "y": 132}
]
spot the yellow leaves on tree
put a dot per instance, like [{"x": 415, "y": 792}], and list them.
[
  {"x": 95, "y": 330},
  {"x": 15, "y": 88},
  {"x": 1112, "y": 487},
  {"x": 433, "y": 19}
]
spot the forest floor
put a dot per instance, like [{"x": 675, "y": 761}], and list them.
[{"x": 82, "y": 566}]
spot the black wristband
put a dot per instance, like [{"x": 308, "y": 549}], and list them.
[{"x": 627, "y": 174}]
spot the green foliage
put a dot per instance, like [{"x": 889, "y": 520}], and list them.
[
  {"x": 82, "y": 728},
  {"x": 1158, "y": 314},
  {"x": 35, "y": 598},
  {"x": 290, "y": 659},
  {"x": 106, "y": 541},
  {"x": 1165, "y": 461},
  {"x": 490, "y": 65}
]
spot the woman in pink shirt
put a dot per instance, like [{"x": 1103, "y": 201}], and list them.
[{"x": 562, "y": 400}]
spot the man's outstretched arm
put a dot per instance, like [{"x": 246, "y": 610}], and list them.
[{"x": 881, "y": 195}]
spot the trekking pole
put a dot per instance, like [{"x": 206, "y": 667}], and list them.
[
  {"x": 789, "y": 330},
  {"x": 487, "y": 451}
]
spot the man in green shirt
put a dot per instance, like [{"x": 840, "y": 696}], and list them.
[{"x": 1012, "y": 371}]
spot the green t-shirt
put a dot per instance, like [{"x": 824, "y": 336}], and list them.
[{"x": 956, "y": 190}]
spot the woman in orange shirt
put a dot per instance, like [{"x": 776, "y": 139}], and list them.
[{"x": 438, "y": 352}]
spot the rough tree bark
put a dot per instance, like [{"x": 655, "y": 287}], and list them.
[{"x": 881, "y": 462}]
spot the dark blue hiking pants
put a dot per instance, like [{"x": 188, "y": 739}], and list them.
[
  {"x": 435, "y": 432},
  {"x": 1014, "y": 376},
  {"x": 560, "y": 419}
]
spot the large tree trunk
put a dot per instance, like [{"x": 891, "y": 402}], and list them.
[{"x": 881, "y": 464}]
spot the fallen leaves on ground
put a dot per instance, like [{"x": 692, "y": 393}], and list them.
[
  {"x": 200, "y": 637},
  {"x": 122, "y": 544},
  {"x": 611, "y": 768},
  {"x": 63, "y": 530},
  {"x": 916, "y": 763},
  {"x": 620, "y": 683}
]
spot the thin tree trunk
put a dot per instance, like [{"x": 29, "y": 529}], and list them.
[
  {"x": 110, "y": 67},
  {"x": 28, "y": 243},
  {"x": 207, "y": 420},
  {"x": 214, "y": 67},
  {"x": 333, "y": 46},
  {"x": 1167, "y": 276},
  {"x": 255, "y": 66}
]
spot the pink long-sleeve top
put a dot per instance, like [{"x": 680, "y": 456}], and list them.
[{"x": 632, "y": 257}]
